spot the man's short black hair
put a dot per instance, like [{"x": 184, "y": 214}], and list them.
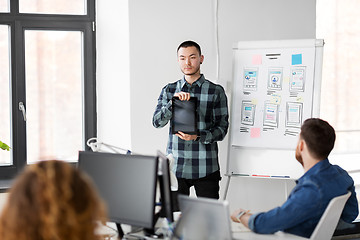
[
  {"x": 319, "y": 136},
  {"x": 189, "y": 44}
]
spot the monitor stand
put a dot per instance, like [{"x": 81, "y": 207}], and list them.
[
  {"x": 120, "y": 231},
  {"x": 150, "y": 232}
]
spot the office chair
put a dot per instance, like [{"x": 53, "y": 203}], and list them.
[
  {"x": 325, "y": 228},
  {"x": 330, "y": 218}
]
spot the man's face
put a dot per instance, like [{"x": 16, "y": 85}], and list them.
[
  {"x": 298, "y": 154},
  {"x": 189, "y": 60}
]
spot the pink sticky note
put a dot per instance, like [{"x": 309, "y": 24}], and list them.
[
  {"x": 255, "y": 132},
  {"x": 257, "y": 60}
]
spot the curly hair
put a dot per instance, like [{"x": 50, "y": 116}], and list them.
[{"x": 51, "y": 200}]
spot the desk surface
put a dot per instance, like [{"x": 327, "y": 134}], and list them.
[
  {"x": 240, "y": 232},
  {"x": 241, "y": 236},
  {"x": 243, "y": 233}
]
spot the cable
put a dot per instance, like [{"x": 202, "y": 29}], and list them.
[
  {"x": 216, "y": 24},
  {"x": 95, "y": 146}
]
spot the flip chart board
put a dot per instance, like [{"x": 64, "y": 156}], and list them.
[{"x": 276, "y": 86}]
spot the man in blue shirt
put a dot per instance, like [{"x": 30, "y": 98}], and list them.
[
  {"x": 196, "y": 155},
  {"x": 320, "y": 183}
]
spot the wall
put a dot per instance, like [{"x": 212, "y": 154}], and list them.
[
  {"x": 113, "y": 85},
  {"x": 156, "y": 29}
]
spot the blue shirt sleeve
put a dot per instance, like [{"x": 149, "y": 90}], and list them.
[{"x": 302, "y": 204}]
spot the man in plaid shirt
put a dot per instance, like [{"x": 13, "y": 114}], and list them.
[{"x": 196, "y": 156}]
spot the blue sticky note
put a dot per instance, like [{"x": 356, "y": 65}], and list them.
[{"x": 296, "y": 59}]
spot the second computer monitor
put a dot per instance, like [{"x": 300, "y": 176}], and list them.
[{"x": 166, "y": 196}]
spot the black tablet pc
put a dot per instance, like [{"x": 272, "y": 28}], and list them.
[{"x": 184, "y": 115}]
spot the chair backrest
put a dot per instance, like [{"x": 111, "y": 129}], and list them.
[{"x": 330, "y": 218}]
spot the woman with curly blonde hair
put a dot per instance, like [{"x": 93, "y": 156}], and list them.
[{"x": 51, "y": 200}]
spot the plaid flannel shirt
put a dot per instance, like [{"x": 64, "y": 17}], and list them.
[{"x": 195, "y": 159}]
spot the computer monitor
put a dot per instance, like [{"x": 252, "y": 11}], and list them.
[
  {"x": 127, "y": 183},
  {"x": 166, "y": 196}
]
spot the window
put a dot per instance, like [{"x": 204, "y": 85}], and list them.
[
  {"x": 4, "y": 6},
  {"x": 338, "y": 24},
  {"x": 53, "y": 74},
  {"x": 47, "y": 77},
  {"x": 53, "y": 6},
  {"x": 5, "y": 157}
]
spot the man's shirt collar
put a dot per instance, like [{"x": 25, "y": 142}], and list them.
[
  {"x": 316, "y": 168},
  {"x": 198, "y": 82}
]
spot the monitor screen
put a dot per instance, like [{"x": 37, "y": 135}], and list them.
[
  {"x": 127, "y": 183},
  {"x": 166, "y": 198}
]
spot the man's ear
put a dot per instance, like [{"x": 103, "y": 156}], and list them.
[
  {"x": 301, "y": 145},
  {"x": 201, "y": 59}
]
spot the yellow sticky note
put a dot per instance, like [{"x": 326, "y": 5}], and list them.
[
  {"x": 286, "y": 79},
  {"x": 299, "y": 99}
]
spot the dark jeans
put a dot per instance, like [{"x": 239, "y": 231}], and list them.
[{"x": 204, "y": 187}]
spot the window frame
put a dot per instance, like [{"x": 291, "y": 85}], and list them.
[{"x": 18, "y": 23}]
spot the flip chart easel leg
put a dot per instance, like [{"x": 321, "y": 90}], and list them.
[
  {"x": 286, "y": 190},
  {"x": 227, "y": 186}
]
